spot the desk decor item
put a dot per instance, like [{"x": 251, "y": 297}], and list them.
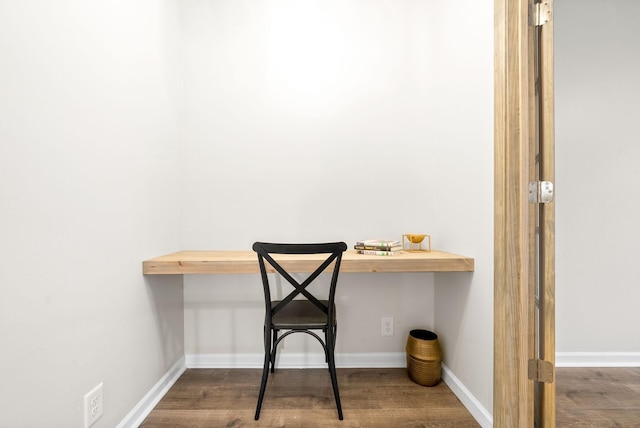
[
  {"x": 412, "y": 242},
  {"x": 424, "y": 357},
  {"x": 378, "y": 247}
]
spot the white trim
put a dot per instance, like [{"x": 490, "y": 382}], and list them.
[
  {"x": 151, "y": 399},
  {"x": 373, "y": 360},
  {"x": 297, "y": 360},
  {"x": 597, "y": 359},
  {"x": 477, "y": 410},
  {"x": 223, "y": 361}
]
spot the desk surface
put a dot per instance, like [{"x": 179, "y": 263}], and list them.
[{"x": 221, "y": 262}]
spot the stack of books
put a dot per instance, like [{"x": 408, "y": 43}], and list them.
[{"x": 378, "y": 247}]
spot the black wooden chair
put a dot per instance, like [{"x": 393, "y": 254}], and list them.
[{"x": 301, "y": 315}]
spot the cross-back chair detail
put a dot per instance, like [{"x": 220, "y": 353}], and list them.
[{"x": 302, "y": 315}]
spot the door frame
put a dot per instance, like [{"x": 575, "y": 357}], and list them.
[{"x": 518, "y": 124}]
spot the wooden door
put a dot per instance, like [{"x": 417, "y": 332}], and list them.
[
  {"x": 524, "y": 304},
  {"x": 545, "y": 302}
]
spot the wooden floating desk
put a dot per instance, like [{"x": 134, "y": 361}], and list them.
[{"x": 226, "y": 262}]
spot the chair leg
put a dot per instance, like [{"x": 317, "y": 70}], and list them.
[
  {"x": 330, "y": 341},
  {"x": 273, "y": 351},
  {"x": 326, "y": 346},
  {"x": 265, "y": 370},
  {"x": 332, "y": 371}
]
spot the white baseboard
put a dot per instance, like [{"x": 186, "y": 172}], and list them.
[
  {"x": 149, "y": 401},
  {"x": 296, "y": 360},
  {"x": 477, "y": 410},
  {"x": 597, "y": 359}
]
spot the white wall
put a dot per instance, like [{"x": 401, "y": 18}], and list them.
[
  {"x": 463, "y": 124},
  {"x": 305, "y": 121},
  {"x": 89, "y": 187},
  {"x": 597, "y": 152},
  {"x": 308, "y": 120}
]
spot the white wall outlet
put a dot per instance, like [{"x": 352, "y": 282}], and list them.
[
  {"x": 93, "y": 406},
  {"x": 387, "y": 326}
]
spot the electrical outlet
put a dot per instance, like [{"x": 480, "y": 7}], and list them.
[
  {"x": 387, "y": 326},
  {"x": 93, "y": 406}
]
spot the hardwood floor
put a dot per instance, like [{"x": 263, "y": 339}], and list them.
[
  {"x": 303, "y": 398},
  {"x": 586, "y": 397},
  {"x": 598, "y": 397}
]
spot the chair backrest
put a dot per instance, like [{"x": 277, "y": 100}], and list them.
[{"x": 333, "y": 251}]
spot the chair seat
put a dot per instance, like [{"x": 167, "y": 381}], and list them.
[{"x": 300, "y": 314}]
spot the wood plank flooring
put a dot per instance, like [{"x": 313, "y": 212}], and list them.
[
  {"x": 586, "y": 397},
  {"x": 598, "y": 397},
  {"x": 304, "y": 398}
]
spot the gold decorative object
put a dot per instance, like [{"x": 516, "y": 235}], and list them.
[
  {"x": 424, "y": 357},
  {"x": 412, "y": 242}
]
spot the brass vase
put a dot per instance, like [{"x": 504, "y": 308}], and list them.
[{"x": 424, "y": 357}]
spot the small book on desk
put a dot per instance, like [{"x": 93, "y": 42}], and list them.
[
  {"x": 378, "y": 247},
  {"x": 378, "y": 252}
]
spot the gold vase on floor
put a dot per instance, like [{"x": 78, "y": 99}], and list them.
[{"x": 424, "y": 357}]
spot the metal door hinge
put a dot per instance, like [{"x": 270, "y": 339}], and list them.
[
  {"x": 541, "y": 371},
  {"x": 540, "y": 192},
  {"x": 539, "y": 14}
]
